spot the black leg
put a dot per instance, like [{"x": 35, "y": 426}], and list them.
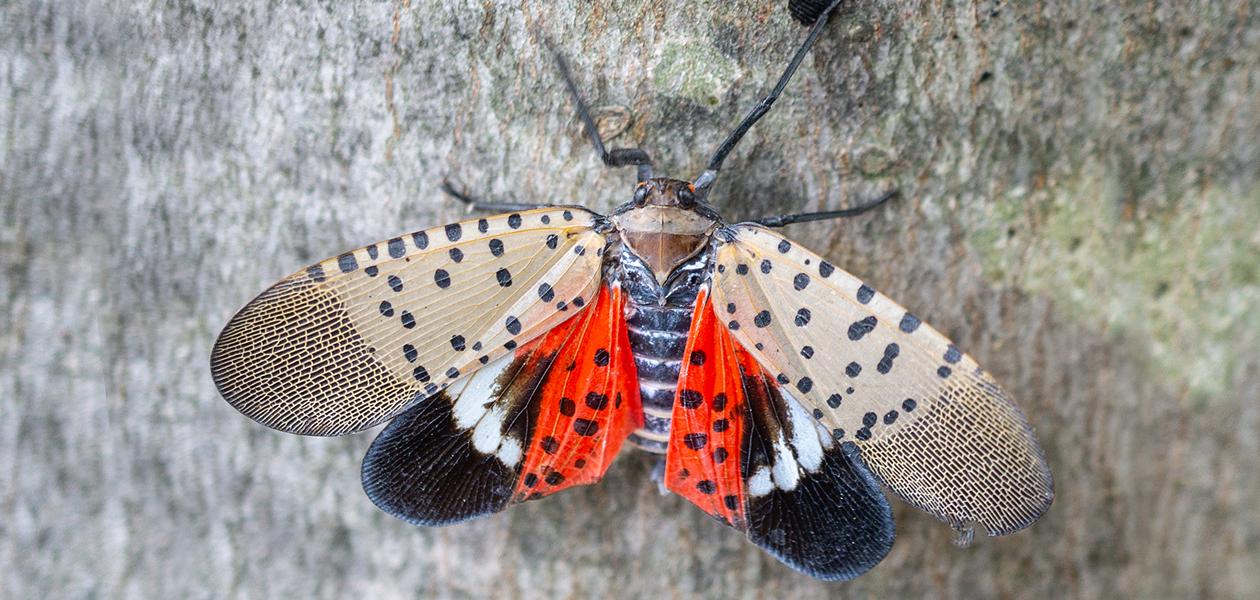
[
  {"x": 706, "y": 179},
  {"x": 476, "y": 204},
  {"x": 617, "y": 157},
  {"x": 781, "y": 220}
]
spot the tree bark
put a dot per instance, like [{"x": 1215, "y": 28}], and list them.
[{"x": 1079, "y": 211}]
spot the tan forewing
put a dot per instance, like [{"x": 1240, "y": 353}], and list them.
[
  {"x": 927, "y": 420},
  {"x": 348, "y": 342}
]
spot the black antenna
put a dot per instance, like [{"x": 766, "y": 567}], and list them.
[
  {"x": 706, "y": 179},
  {"x": 617, "y": 157}
]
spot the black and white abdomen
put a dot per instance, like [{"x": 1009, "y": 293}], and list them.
[{"x": 658, "y": 318}]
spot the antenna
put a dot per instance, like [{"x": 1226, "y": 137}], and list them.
[
  {"x": 706, "y": 179},
  {"x": 617, "y": 157}
]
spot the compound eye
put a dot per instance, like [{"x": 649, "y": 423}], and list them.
[
  {"x": 686, "y": 198},
  {"x": 640, "y": 196}
]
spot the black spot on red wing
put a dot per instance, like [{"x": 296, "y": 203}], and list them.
[
  {"x": 442, "y": 278},
  {"x": 454, "y": 231},
  {"x": 909, "y": 323},
  {"x": 825, "y": 269},
  {"x": 706, "y": 486},
  {"x": 396, "y": 248},
  {"x": 545, "y": 293},
  {"x": 568, "y": 407},
  {"x": 549, "y": 445},
  {"x": 483, "y": 225},
  {"x": 784, "y": 246},
  {"x": 347, "y": 263},
  {"x": 457, "y": 342},
  {"x": 420, "y": 374},
  {"x": 719, "y": 401},
  {"x": 387, "y": 309},
  {"x": 690, "y": 399},
  {"x": 585, "y": 427},
  {"x": 596, "y": 401},
  {"x": 697, "y": 358},
  {"x": 731, "y": 501},
  {"x": 864, "y": 294},
  {"x": 315, "y": 272},
  {"x": 720, "y": 455},
  {"x": 504, "y": 277},
  {"x": 530, "y": 480},
  {"x": 721, "y": 425},
  {"x": 554, "y": 478},
  {"x": 696, "y": 441},
  {"x": 802, "y": 317},
  {"x": 581, "y": 462},
  {"x": 408, "y": 321},
  {"x": 420, "y": 239},
  {"x": 395, "y": 283},
  {"x": 858, "y": 329},
  {"x": 800, "y": 282},
  {"x": 602, "y": 357}
]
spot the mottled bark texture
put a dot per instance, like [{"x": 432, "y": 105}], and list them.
[{"x": 1080, "y": 212}]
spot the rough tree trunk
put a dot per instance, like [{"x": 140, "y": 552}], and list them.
[{"x": 1080, "y": 211}]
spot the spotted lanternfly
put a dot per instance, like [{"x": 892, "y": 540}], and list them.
[{"x": 513, "y": 354}]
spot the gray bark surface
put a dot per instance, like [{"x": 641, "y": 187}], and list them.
[{"x": 1079, "y": 212}]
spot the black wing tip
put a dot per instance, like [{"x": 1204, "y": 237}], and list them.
[{"x": 806, "y": 12}]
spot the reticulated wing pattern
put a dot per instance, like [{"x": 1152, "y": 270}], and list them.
[
  {"x": 349, "y": 342},
  {"x": 927, "y": 420}
]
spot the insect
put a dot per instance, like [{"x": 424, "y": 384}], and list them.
[{"x": 512, "y": 355}]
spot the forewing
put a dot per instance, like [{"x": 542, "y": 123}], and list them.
[
  {"x": 748, "y": 453},
  {"x": 348, "y": 342},
  {"x": 927, "y": 420},
  {"x": 551, "y": 415}
]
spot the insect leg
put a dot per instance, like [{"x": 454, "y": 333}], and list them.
[
  {"x": 706, "y": 179},
  {"x": 781, "y": 220},
  {"x": 617, "y": 157},
  {"x": 477, "y": 204}
]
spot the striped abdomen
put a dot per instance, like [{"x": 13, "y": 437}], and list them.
[{"x": 658, "y": 319}]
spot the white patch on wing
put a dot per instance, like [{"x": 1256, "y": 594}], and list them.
[
  {"x": 472, "y": 393},
  {"x": 510, "y": 451},
  {"x": 786, "y": 473},
  {"x": 489, "y": 432},
  {"x": 809, "y": 450},
  {"x": 759, "y": 484}
]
